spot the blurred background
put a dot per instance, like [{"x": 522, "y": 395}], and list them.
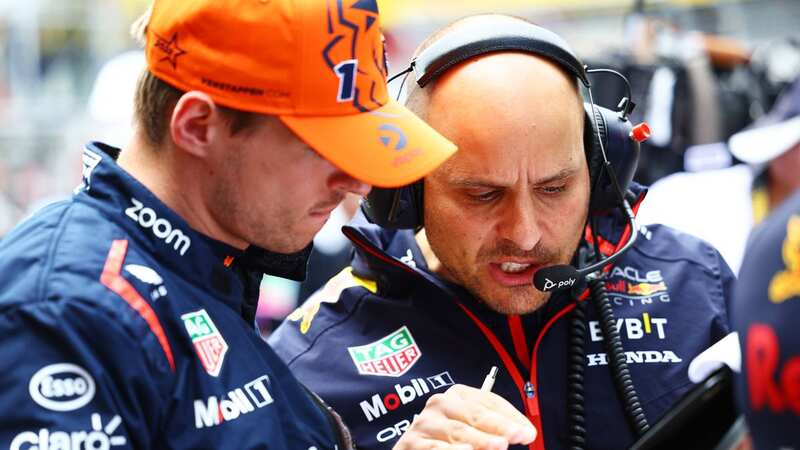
[{"x": 700, "y": 71}]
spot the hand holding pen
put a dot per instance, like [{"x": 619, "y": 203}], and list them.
[{"x": 464, "y": 417}]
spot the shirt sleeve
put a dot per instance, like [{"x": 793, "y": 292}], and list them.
[
  {"x": 75, "y": 375},
  {"x": 722, "y": 323}
]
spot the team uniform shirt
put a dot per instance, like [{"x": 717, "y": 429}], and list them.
[
  {"x": 765, "y": 309},
  {"x": 123, "y": 328},
  {"x": 385, "y": 334}
]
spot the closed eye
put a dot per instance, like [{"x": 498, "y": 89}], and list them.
[
  {"x": 484, "y": 197},
  {"x": 553, "y": 189}
]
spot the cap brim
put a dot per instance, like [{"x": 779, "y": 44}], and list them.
[
  {"x": 764, "y": 143},
  {"x": 387, "y": 147}
]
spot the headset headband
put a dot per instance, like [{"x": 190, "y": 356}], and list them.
[
  {"x": 475, "y": 38},
  {"x": 610, "y": 175}
]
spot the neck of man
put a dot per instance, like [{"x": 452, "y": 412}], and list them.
[
  {"x": 177, "y": 179},
  {"x": 777, "y": 192},
  {"x": 434, "y": 265},
  {"x": 782, "y": 179}
]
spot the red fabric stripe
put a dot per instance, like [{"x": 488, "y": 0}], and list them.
[
  {"x": 547, "y": 326},
  {"x": 538, "y": 444},
  {"x": 607, "y": 247},
  {"x": 112, "y": 279},
  {"x": 498, "y": 347},
  {"x": 518, "y": 337},
  {"x": 368, "y": 248}
]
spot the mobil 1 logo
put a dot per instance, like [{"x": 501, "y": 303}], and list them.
[{"x": 402, "y": 394}]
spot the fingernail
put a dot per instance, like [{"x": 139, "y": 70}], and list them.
[{"x": 523, "y": 435}]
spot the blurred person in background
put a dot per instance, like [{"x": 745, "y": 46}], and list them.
[
  {"x": 766, "y": 306},
  {"x": 127, "y": 311},
  {"x": 416, "y": 313},
  {"x": 721, "y": 206},
  {"x": 111, "y": 100}
]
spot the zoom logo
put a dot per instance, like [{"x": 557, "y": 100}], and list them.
[{"x": 161, "y": 228}]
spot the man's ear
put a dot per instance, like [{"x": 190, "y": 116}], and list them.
[{"x": 196, "y": 123}]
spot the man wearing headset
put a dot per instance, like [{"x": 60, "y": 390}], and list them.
[
  {"x": 127, "y": 312},
  {"x": 415, "y": 314}
]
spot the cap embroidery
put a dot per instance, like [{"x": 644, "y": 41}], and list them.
[{"x": 170, "y": 48}]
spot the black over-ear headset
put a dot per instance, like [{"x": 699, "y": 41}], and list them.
[{"x": 612, "y": 151}]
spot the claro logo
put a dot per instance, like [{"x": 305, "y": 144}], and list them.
[
  {"x": 62, "y": 387},
  {"x": 99, "y": 437},
  {"x": 161, "y": 228}
]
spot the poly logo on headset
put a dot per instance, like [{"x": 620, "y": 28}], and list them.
[{"x": 549, "y": 284}]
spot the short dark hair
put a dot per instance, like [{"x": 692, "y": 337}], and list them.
[{"x": 155, "y": 101}]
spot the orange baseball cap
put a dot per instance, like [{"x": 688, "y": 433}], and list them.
[{"x": 319, "y": 65}]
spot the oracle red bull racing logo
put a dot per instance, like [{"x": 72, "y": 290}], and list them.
[
  {"x": 629, "y": 286},
  {"x": 390, "y": 356}
]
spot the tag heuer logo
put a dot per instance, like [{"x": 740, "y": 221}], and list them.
[
  {"x": 208, "y": 342},
  {"x": 390, "y": 356}
]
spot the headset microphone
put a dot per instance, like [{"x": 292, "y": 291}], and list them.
[
  {"x": 611, "y": 147},
  {"x": 564, "y": 276},
  {"x": 555, "y": 278}
]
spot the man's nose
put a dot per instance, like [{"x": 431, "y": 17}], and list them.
[
  {"x": 345, "y": 183},
  {"x": 521, "y": 224}
]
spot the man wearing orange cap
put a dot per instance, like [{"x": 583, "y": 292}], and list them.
[{"x": 126, "y": 312}]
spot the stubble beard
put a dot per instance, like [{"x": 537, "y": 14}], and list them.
[
  {"x": 500, "y": 299},
  {"x": 506, "y": 300}
]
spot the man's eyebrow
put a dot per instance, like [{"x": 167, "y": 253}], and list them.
[
  {"x": 562, "y": 174},
  {"x": 477, "y": 182}
]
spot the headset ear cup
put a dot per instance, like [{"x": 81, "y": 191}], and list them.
[
  {"x": 622, "y": 152},
  {"x": 594, "y": 157},
  {"x": 395, "y": 208}
]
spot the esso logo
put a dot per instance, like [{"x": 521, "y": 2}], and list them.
[{"x": 62, "y": 387}]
